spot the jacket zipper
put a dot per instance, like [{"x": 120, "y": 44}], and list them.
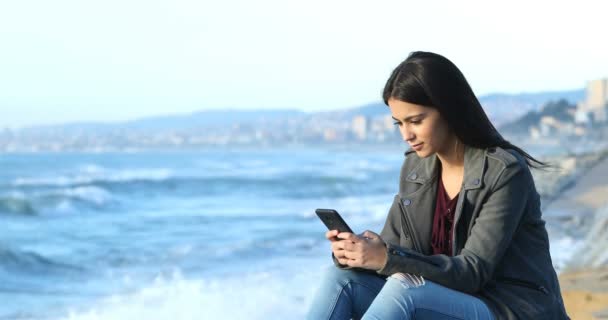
[
  {"x": 409, "y": 231},
  {"x": 524, "y": 283},
  {"x": 408, "y": 225}
]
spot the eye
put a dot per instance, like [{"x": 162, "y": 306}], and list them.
[
  {"x": 397, "y": 123},
  {"x": 415, "y": 121}
]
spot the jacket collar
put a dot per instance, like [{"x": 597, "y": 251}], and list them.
[{"x": 474, "y": 166}]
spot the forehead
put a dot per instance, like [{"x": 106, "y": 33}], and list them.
[{"x": 401, "y": 109}]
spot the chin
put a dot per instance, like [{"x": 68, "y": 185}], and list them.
[{"x": 424, "y": 154}]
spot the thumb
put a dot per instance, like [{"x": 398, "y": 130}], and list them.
[{"x": 370, "y": 234}]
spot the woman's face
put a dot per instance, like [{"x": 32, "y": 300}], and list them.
[{"x": 421, "y": 127}]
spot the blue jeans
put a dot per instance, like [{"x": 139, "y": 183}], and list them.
[{"x": 346, "y": 294}]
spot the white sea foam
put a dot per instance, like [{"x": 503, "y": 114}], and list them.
[
  {"x": 367, "y": 207},
  {"x": 259, "y": 295},
  {"x": 65, "y": 206},
  {"x": 91, "y": 194},
  {"x": 92, "y": 168},
  {"x": 562, "y": 251},
  {"x": 90, "y": 174}
]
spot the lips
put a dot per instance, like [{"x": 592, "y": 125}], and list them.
[{"x": 417, "y": 146}]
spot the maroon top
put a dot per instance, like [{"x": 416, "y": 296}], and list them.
[{"x": 441, "y": 239}]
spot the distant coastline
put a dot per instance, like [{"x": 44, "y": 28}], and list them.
[{"x": 369, "y": 124}]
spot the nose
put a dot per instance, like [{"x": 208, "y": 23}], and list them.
[{"x": 406, "y": 134}]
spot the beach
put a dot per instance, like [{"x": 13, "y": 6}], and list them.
[
  {"x": 582, "y": 205},
  {"x": 585, "y": 293}
]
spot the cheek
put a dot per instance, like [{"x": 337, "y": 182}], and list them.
[
  {"x": 439, "y": 136},
  {"x": 427, "y": 134},
  {"x": 434, "y": 134}
]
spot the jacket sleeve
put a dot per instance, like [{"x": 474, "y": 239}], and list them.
[{"x": 490, "y": 236}]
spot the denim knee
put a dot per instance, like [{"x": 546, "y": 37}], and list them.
[
  {"x": 343, "y": 276},
  {"x": 345, "y": 293},
  {"x": 346, "y": 276},
  {"x": 408, "y": 280}
]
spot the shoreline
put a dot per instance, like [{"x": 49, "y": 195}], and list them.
[{"x": 580, "y": 204}]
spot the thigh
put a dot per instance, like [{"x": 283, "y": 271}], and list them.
[
  {"x": 344, "y": 294},
  {"x": 406, "y": 296}
]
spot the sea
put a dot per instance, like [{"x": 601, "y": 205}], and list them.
[{"x": 213, "y": 233}]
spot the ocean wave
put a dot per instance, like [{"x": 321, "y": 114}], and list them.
[
  {"x": 93, "y": 174},
  {"x": 16, "y": 204},
  {"x": 369, "y": 207},
  {"x": 591, "y": 252},
  {"x": 15, "y": 261},
  {"x": 59, "y": 200},
  {"x": 259, "y": 295},
  {"x": 95, "y": 195}
]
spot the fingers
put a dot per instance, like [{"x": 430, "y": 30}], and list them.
[
  {"x": 343, "y": 245},
  {"x": 345, "y": 257},
  {"x": 349, "y": 236},
  {"x": 351, "y": 255},
  {"x": 351, "y": 262},
  {"x": 347, "y": 253},
  {"x": 370, "y": 234},
  {"x": 335, "y": 235},
  {"x": 347, "y": 246},
  {"x": 331, "y": 235},
  {"x": 340, "y": 255}
]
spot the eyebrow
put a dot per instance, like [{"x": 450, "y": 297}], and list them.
[{"x": 410, "y": 117}]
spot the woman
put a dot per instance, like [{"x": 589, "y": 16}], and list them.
[{"x": 464, "y": 237}]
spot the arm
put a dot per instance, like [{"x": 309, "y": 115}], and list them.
[{"x": 490, "y": 237}]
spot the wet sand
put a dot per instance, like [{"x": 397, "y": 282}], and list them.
[{"x": 585, "y": 294}]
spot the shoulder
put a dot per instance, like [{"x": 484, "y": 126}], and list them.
[
  {"x": 507, "y": 164},
  {"x": 505, "y": 158},
  {"x": 497, "y": 156}
]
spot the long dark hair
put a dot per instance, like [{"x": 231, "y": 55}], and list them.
[{"x": 431, "y": 80}]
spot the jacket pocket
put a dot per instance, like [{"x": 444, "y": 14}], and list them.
[
  {"x": 523, "y": 283},
  {"x": 407, "y": 229},
  {"x": 394, "y": 230}
]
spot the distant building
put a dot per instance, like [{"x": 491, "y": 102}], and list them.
[
  {"x": 389, "y": 123},
  {"x": 535, "y": 132},
  {"x": 593, "y": 108},
  {"x": 330, "y": 134},
  {"x": 359, "y": 127}
]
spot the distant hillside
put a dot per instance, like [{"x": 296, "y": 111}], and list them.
[
  {"x": 501, "y": 108},
  {"x": 504, "y": 108},
  {"x": 372, "y": 109},
  {"x": 212, "y": 118},
  {"x": 561, "y": 110}
]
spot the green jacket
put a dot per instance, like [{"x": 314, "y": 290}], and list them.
[{"x": 500, "y": 241}]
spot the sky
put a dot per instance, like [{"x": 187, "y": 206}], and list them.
[{"x": 114, "y": 60}]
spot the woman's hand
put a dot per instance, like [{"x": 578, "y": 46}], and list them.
[{"x": 367, "y": 250}]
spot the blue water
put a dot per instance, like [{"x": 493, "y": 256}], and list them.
[
  {"x": 86, "y": 235},
  {"x": 206, "y": 234}
]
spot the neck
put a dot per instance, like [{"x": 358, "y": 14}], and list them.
[{"x": 452, "y": 159}]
